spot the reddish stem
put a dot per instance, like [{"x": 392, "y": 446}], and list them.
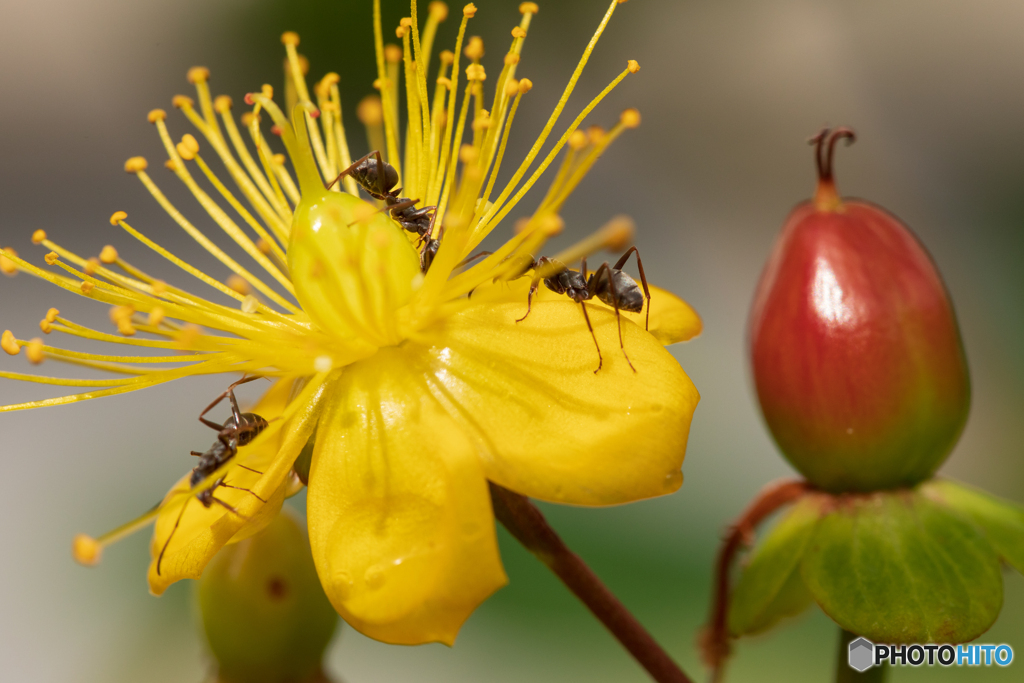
[
  {"x": 714, "y": 642},
  {"x": 527, "y": 524}
]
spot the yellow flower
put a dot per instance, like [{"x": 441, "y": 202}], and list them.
[{"x": 417, "y": 383}]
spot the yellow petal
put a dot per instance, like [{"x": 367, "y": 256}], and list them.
[
  {"x": 399, "y": 514},
  {"x": 546, "y": 424},
  {"x": 203, "y": 531},
  {"x": 352, "y": 268}
]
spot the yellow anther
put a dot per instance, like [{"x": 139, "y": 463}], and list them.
[
  {"x": 198, "y": 74},
  {"x": 551, "y": 224},
  {"x": 171, "y": 165},
  {"x": 108, "y": 254},
  {"x": 136, "y": 164},
  {"x": 239, "y": 284},
  {"x": 511, "y": 59},
  {"x": 446, "y": 82},
  {"x": 622, "y": 2},
  {"x": 51, "y": 315},
  {"x": 247, "y": 118},
  {"x": 447, "y": 56},
  {"x": 475, "y": 49},
  {"x": 525, "y": 85},
  {"x": 156, "y": 316},
  {"x": 303, "y": 64},
  {"x": 156, "y": 115},
  {"x": 520, "y": 225},
  {"x": 125, "y": 327},
  {"x": 476, "y": 72},
  {"x": 438, "y": 9},
  {"x": 376, "y": 83},
  {"x": 181, "y": 102},
  {"x": 190, "y": 142},
  {"x": 184, "y": 152},
  {"x": 250, "y": 304},
  {"x": 222, "y": 104},
  {"x": 44, "y": 325},
  {"x": 290, "y": 38},
  {"x": 7, "y": 266},
  {"x": 482, "y": 122},
  {"x": 596, "y": 134},
  {"x": 158, "y": 287},
  {"x": 469, "y": 10},
  {"x": 51, "y": 258},
  {"x": 528, "y": 8},
  {"x": 393, "y": 53},
  {"x": 618, "y": 233},
  {"x": 9, "y": 344},
  {"x": 188, "y": 336},
  {"x": 34, "y": 351},
  {"x": 369, "y": 110},
  {"x": 263, "y": 246},
  {"x": 633, "y": 66},
  {"x": 468, "y": 154},
  {"x": 119, "y": 313},
  {"x": 38, "y": 236},
  {"x": 518, "y": 32},
  {"x": 511, "y": 88},
  {"x": 400, "y": 33},
  {"x": 117, "y": 217},
  {"x": 86, "y": 550},
  {"x": 630, "y": 118},
  {"x": 267, "y": 90},
  {"x": 406, "y": 22},
  {"x": 279, "y": 159},
  {"x": 86, "y": 287},
  {"x": 330, "y": 79},
  {"x": 91, "y": 265},
  {"x": 578, "y": 140}
]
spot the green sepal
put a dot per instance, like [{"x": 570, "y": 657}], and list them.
[
  {"x": 1001, "y": 520},
  {"x": 264, "y": 613},
  {"x": 897, "y": 567},
  {"x": 770, "y": 587}
]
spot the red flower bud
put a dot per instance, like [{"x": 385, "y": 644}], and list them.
[{"x": 856, "y": 351}]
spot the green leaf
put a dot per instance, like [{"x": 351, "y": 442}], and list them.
[
  {"x": 1002, "y": 521},
  {"x": 769, "y": 587},
  {"x": 897, "y": 567}
]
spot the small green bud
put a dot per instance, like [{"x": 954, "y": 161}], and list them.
[{"x": 264, "y": 612}]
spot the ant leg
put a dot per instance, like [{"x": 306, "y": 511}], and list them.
[
  {"x": 397, "y": 206},
  {"x": 234, "y": 407},
  {"x": 380, "y": 173},
  {"x": 249, "y": 468},
  {"x": 529, "y": 300},
  {"x": 466, "y": 261},
  {"x": 228, "y": 507},
  {"x": 643, "y": 280},
  {"x": 196, "y": 453},
  {"x": 615, "y": 303},
  {"x": 600, "y": 358},
  {"x": 239, "y": 488},
  {"x": 160, "y": 557},
  {"x": 350, "y": 169}
]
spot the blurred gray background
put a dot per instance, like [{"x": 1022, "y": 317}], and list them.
[{"x": 729, "y": 91}]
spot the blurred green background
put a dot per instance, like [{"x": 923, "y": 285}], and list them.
[{"x": 729, "y": 92}]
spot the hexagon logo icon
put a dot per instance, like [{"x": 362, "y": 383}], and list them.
[{"x": 862, "y": 654}]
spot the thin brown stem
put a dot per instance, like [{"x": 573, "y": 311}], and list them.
[
  {"x": 714, "y": 642},
  {"x": 527, "y": 524}
]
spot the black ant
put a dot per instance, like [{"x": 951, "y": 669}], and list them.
[
  {"x": 238, "y": 430},
  {"x": 608, "y": 283},
  {"x": 381, "y": 185}
]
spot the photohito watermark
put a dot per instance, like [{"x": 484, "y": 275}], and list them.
[{"x": 864, "y": 654}]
